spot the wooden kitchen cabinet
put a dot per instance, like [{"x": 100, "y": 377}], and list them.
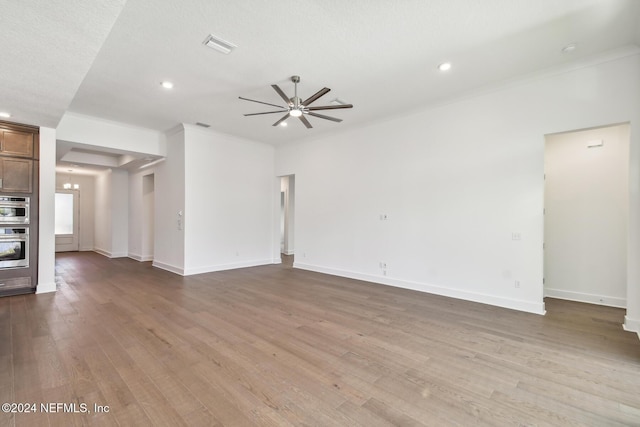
[
  {"x": 16, "y": 175},
  {"x": 16, "y": 143}
]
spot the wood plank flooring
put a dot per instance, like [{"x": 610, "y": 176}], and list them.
[{"x": 275, "y": 346}]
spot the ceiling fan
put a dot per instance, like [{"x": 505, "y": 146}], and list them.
[{"x": 295, "y": 107}]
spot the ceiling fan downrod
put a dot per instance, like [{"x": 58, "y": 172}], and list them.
[{"x": 295, "y": 99}]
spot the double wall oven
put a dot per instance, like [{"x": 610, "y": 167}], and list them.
[{"x": 14, "y": 232}]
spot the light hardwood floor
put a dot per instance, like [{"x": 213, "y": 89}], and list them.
[{"x": 277, "y": 346}]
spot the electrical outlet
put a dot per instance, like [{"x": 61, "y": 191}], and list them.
[
  {"x": 516, "y": 236},
  {"x": 383, "y": 265},
  {"x": 384, "y": 272},
  {"x": 384, "y": 217}
]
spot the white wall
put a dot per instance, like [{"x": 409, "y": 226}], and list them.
[
  {"x": 103, "y": 133},
  {"x": 586, "y": 215},
  {"x": 148, "y": 216},
  {"x": 140, "y": 243},
  {"x": 119, "y": 213},
  {"x": 456, "y": 182},
  {"x": 87, "y": 206},
  {"x": 229, "y": 204},
  {"x": 169, "y": 250},
  {"x": 46, "y": 222},
  {"x": 111, "y": 219}
]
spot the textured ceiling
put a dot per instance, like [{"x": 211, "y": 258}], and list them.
[
  {"x": 47, "y": 49},
  {"x": 379, "y": 55}
]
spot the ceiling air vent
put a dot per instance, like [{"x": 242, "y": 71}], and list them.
[
  {"x": 218, "y": 44},
  {"x": 204, "y": 125}
]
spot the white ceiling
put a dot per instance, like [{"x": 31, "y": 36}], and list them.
[{"x": 106, "y": 60}]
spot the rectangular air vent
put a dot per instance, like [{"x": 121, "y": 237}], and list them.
[
  {"x": 218, "y": 44},
  {"x": 204, "y": 125}
]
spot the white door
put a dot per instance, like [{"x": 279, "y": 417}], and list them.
[{"x": 67, "y": 210}]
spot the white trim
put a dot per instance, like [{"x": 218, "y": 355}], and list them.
[
  {"x": 514, "y": 304},
  {"x": 141, "y": 258},
  {"x": 168, "y": 267},
  {"x": 231, "y": 266},
  {"x": 110, "y": 254},
  {"x": 585, "y": 297},
  {"x": 276, "y": 261},
  {"x": 631, "y": 325},
  {"x": 102, "y": 252},
  {"x": 86, "y": 249},
  {"x": 291, "y": 252},
  {"x": 43, "y": 288}
]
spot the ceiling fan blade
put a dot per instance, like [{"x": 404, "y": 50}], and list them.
[
  {"x": 322, "y": 116},
  {"x": 266, "y": 112},
  {"x": 260, "y": 102},
  {"x": 330, "y": 107},
  {"x": 286, "y": 116},
  {"x": 304, "y": 120},
  {"x": 281, "y": 93},
  {"x": 315, "y": 96}
]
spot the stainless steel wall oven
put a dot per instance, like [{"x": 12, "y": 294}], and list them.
[
  {"x": 14, "y": 247},
  {"x": 14, "y": 210}
]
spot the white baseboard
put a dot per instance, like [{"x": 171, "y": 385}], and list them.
[
  {"x": 86, "y": 249},
  {"x": 141, "y": 258},
  {"x": 585, "y": 297},
  {"x": 43, "y": 288},
  {"x": 168, "y": 267},
  {"x": 110, "y": 254},
  {"x": 514, "y": 304},
  {"x": 631, "y": 325},
  {"x": 102, "y": 252},
  {"x": 230, "y": 266}
]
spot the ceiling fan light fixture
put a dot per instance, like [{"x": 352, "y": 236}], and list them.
[
  {"x": 295, "y": 113},
  {"x": 4, "y": 114},
  {"x": 219, "y": 44}
]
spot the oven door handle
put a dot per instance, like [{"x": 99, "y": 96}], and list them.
[{"x": 14, "y": 237}]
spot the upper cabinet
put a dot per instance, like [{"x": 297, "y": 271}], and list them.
[
  {"x": 16, "y": 143},
  {"x": 19, "y": 146},
  {"x": 16, "y": 175}
]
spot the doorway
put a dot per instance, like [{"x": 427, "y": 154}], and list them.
[
  {"x": 67, "y": 214},
  {"x": 586, "y": 202},
  {"x": 287, "y": 218}
]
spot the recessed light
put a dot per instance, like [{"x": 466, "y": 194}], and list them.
[
  {"x": 569, "y": 48},
  {"x": 283, "y": 124},
  {"x": 5, "y": 114},
  {"x": 445, "y": 66},
  {"x": 166, "y": 84}
]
